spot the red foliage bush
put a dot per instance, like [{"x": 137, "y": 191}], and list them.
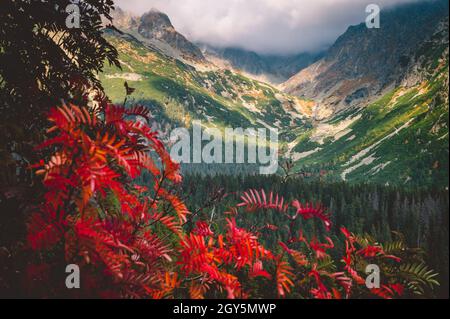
[{"x": 130, "y": 241}]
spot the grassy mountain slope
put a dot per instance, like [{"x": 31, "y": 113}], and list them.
[{"x": 178, "y": 93}]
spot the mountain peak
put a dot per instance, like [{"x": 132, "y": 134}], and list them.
[
  {"x": 363, "y": 64},
  {"x": 155, "y": 19},
  {"x": 156, "y": 25}
]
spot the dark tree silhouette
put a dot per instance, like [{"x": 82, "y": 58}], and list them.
[{"x": 42, "y": 61}]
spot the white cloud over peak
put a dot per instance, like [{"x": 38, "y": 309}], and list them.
[{"x": 264, "y": 26}]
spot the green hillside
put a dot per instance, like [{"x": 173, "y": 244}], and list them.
[{"x": 178, "y": 93}]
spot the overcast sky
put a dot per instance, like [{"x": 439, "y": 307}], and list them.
[{"x": 264, "y": 26}]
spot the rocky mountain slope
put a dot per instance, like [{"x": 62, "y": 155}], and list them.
[
  {"x": 374, "y": 109},
  {"x": 178, "y": 93},
  {"x": 400, "y": 138},
  {"x": 157, "y": 25},
  {"x": 363, "y": 64}
]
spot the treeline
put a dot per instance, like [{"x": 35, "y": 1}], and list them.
[{"x": 421, "y": 216}]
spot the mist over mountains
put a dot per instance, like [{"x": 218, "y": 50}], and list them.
[
  {"x": 155, "y": 27},
  {"x": 274, "y": 69}
]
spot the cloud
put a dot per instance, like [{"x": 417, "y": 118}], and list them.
[{"x": 264, "y": 26}]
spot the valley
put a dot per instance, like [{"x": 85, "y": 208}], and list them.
[
  {"x": 349, "y": 116},
  {"x": 180, "y": 150}
]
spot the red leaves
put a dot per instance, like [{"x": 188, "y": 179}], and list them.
[
  {"x": 202, "y": 229},
  {"x": 198, "y": 256},
  {"x": 203, "y": 255},
  {"x": 389, "y": 291},
  {"x": 321, "y": 248},
  {"x": 398, "y": 288},
  {"x": 244, "y": 246},
  {"x": 373, "y": 251},
  {"x": 327, "y": 284},
  {"x": 69, "y": 118},
  {"x": 151, "y": 248},
  {"x": 309, "y": 211},
  {"x": 322, "y": 291},
  {"x": 178, "y": 206},
  {"x": 284, "y": 278},
  {"x": 343, "y": 281},
  {"x": 117, "y": 113},
  {"x": 54, "y": 166},
  {"x": 199, "y": 288},
  {"x": 169, "y": 282},
  {"x": 169, "y": 222},
  {"x": 299, "y": 257},
  {"x": 195, "y": 252},
  {"x": 258, "y": 271},
  {"x": 370, "y": 251},
  {"x": 171, "y": 169},
  {"x": 346, "y": 233},
  {"x": 253, "y": 200},
  {"x": 348, "y": 258}
]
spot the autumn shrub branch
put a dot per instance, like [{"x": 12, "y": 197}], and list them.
[{"x": 131, "y": 241}]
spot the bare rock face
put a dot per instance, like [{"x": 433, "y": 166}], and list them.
[
  {"x": 124, "y": 20},
  {"x": 155, "y": 25},
  {"x": 156, "y": 30},
  {"x": 363, "y": 63}
]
